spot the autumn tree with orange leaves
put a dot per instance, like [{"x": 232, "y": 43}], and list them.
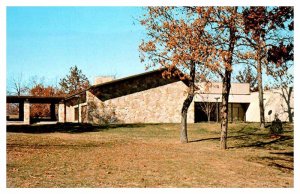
[
  {"x": 193, "y": 43},
  {"x": 42, "y": 110},
  {"x": 180, "y": 43},
  {"x": 225, "y": 27}
]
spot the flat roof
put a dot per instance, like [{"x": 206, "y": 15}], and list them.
[{"x": 34, "y": 99}]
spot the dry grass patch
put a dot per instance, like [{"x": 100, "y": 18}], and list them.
[{"x": 151, "y": 156}]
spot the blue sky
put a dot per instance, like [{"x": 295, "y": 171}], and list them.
[{"x": 47, "y": 41}]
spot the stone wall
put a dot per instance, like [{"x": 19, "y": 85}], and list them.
[{"x": 156, "y": 105}]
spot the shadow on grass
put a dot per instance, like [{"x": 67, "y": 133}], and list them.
[
  {"x": 262, "y": 144},
  {"x": 217, "y": 138},
  {"x": 283, "y": 163},
  {"x": 281, "y": 167},
  {"x": 283, "y": 153},
  {"x": 245, "y": 138},
  {"x": 243, "y": 133},
  {"x": 67, "y": 128},
  {"x": 235, "y": 137}
]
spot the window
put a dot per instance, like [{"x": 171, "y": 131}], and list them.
[{"x": 76, "y": 112}]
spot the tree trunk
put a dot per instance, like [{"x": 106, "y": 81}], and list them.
[
  {"x": 208, "y": 117},
  {"x": 286, "y": 94},
  {"x": 224, "y": 110},
  {"x": 289, "y": 105},
  {"x": 260, "y": 90},
  {"x": 185, "y": 107},
  {"x": 226, "y": 84},
  {"x": 186, "y": 104}
]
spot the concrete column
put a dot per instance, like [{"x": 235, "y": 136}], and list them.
[
  {"x": 21, "y": 111},
  {"x": 52, "y": 111},
  {"x": 61, "y": 112},
  {"x": 26, "y": 112}
]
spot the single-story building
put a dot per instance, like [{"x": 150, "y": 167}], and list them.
[{"x": 150, "y": 98}]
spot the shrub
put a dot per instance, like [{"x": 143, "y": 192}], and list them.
[
  {"x": 276, "y": 126},
  {"x": 101, "y": 114}
]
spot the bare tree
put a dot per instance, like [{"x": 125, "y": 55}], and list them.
[
  {"x": 247, "y": 75},
  {"x": 285, "y": 84},
  {"x": 207, "y": 107},
  {"x": 18, "y": 86}
]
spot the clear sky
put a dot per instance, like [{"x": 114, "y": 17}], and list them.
[{"x": 47, "y": 41}]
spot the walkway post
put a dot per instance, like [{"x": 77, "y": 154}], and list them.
[
  {"x": 61, "y": 112},
  {"x": 26, "y": 112}
]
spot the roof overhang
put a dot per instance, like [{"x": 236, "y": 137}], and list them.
[
  {"x": 131, "y": 85},
  {"x": 34, "y": 99}
]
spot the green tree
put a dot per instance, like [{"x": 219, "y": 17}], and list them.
[{"x": 74, "y": 82}]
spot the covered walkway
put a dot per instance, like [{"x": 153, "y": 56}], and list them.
[{"x": 24, "y": 108}]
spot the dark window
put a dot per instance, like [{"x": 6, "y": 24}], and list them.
[
  {"x": 83, "y": 114},
  {"x": 76, "y": 114}
]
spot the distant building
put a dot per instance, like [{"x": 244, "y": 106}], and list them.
[{"x": 149, "y": 98}]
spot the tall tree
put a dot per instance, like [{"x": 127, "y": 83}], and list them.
[
  {"x": 263, "y": 27},
  {"x": 225, "y": 25},
  {"x": 197, "y": 41},
  {"x": 75, "y": 82},
  {"x": 282, "y": 58},
  {"x": 179, "y": 42}
]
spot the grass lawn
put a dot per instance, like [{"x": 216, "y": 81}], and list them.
[{"x": 149, "y": 155}]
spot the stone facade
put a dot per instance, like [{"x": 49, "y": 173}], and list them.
[
  {"x": 156, "y": 105},
  {"x": 149, "y": 98}
]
